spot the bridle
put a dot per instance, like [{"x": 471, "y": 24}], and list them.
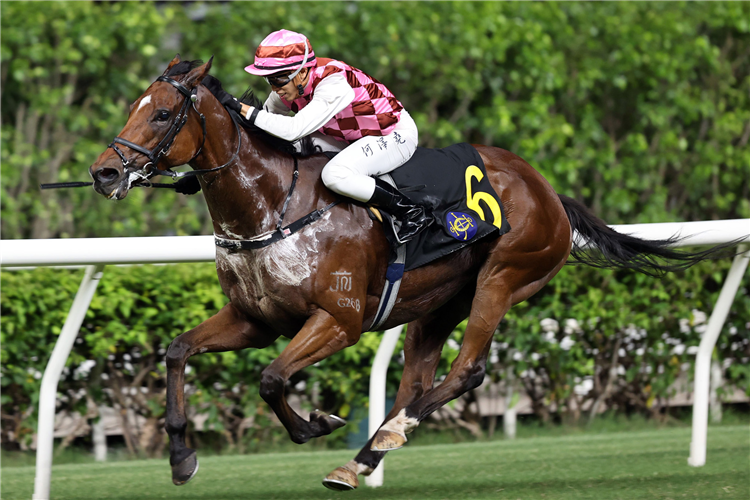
[{"x": 162, "y": 149}]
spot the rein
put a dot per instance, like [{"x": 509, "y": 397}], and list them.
[
  {"x": 161, "y": 149},
  {"x": 155, "y": 155}
]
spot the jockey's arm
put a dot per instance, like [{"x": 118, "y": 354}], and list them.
[
  {"x": 274, "y": 105},
  {"x": 332, "y": 95}
]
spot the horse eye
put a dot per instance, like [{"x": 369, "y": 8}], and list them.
[{"x": 162, "y": 116}]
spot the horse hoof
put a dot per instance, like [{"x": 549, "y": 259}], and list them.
[
  {"x": 327, "y": 423},
  {"x": 341, "y": 479},
  {"x": 387, "y": 441},
  {"x": 185, "y": 470}
]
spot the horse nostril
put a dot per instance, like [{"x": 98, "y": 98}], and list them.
[{"x": 106, "y": 175}]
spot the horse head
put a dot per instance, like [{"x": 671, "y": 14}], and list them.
[{"x": 161, "y": 132}]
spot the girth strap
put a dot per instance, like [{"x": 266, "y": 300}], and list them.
[
  {"x": 280, "y": 232},
  {"x": 393, "y": 276},
  {"x": 277, "y": 235}
]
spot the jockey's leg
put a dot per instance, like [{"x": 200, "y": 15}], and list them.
[
  {"x": 414, "y": 218},
  {"x": 326, "y": 143},
  {"x": 351, "y": 173}
]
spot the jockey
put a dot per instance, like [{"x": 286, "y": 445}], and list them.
[{"x": 376, "y": 133}]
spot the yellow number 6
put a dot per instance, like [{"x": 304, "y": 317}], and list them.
[{"x": 473, "y": 199}]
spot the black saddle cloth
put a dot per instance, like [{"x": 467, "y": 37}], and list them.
[{"x": 452, "y": 183}]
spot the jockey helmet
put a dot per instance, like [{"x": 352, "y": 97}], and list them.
[{"x": 282, "y": 50}]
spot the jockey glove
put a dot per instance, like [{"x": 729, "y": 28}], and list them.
[
  {"x": 187, "y": 185},
  {"x": 225, "y": 98},
  {"x": 230, "y": 102}
]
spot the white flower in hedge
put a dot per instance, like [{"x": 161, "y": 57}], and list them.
[
  {"x": 684, "y": 325},
  {"x": 573, "y": 326},
  {"x": 550, "y": 325},
  {"x": 566, "y": 343},
  {"x": 699, "y": 317},
  {"x": 584, "y": 387}
]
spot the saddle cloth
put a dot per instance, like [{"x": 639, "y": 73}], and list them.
[{"x": 452, "y": 182}]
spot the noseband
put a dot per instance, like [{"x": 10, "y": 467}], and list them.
[{"x": 162, "y": 149}]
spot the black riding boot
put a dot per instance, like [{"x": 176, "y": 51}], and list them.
[{"x": 413, "y": 217}]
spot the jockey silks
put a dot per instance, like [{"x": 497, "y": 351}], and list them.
[{"x": 373, "y": 112}]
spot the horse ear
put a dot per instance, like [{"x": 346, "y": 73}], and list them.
[
  {"x": 174, "y": 61},
  {"x": 196, "y": 75}
]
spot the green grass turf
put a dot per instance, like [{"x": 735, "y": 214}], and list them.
[{"x": 608, "y": 466}]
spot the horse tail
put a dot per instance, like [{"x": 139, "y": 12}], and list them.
[{"x": 617, "y": 250}]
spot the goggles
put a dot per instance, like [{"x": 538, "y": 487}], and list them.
[{"x": 280, "y": 81}]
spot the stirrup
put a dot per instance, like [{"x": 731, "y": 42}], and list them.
[{"x": 422, "y": 223}]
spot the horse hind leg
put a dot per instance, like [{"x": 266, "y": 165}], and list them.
[
  {"x": 491, "y": 302},
  {"x": 227, "y": 330},
  {"x": 498, "y": 288},
  {"x": 422, "y": 348}
]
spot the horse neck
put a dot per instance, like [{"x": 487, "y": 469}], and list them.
[{"x": 244, "y": 198}]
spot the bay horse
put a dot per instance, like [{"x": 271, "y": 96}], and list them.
[{"x": 286, "y": 288}]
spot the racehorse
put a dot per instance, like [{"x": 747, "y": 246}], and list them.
[{"x": 286, "y": 289}]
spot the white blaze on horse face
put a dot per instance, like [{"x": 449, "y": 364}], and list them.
[{"x": 143, "y": 102}]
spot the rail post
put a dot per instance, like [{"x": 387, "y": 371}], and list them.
[
  {"x": 48, "y": 393},
  {"x": 703, "y": 358},
  {"x": 377, "y": 394}
]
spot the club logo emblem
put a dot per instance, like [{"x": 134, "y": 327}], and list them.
[{"x": 462, "y": 226}]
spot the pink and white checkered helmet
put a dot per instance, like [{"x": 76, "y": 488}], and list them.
[{"x": 280, "y": 51}]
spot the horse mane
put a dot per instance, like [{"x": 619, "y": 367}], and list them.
[
  {"x": 248, "y": 97},
  {"x": 183, "y": 67},
  {"x": 213, "y": 84}
]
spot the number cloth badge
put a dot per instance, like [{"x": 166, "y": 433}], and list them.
[{"x": 462, "y": 226}]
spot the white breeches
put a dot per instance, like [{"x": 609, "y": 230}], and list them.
[{"x": 351, "y": 172}]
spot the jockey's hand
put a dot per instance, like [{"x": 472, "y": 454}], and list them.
[
  {"x": 187, "y": 185},
  {"x": 230, "y": 102},
  {"x": 225, "y": 98}
]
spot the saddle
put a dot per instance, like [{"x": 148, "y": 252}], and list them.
[{"x": 452, "y": 184}]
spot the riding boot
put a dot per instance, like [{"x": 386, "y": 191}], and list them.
[{"x": 414, "y": 218}]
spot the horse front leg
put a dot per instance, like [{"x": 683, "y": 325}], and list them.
[
  {"x": 321, "y": 336},
  {"x": 422, "y": 347},
  {"x": 227, "y": 330}
]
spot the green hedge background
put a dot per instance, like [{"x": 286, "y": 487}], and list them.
[{"x": 639, "y": 110}]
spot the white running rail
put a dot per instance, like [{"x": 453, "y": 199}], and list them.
[{"x": 95, "y": 253}]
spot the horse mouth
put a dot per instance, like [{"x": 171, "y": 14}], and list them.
[
  {"x": 114, "y": 190},
  {"x": 118, "y": 193},
  {"x": 121, "y": 190}
]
